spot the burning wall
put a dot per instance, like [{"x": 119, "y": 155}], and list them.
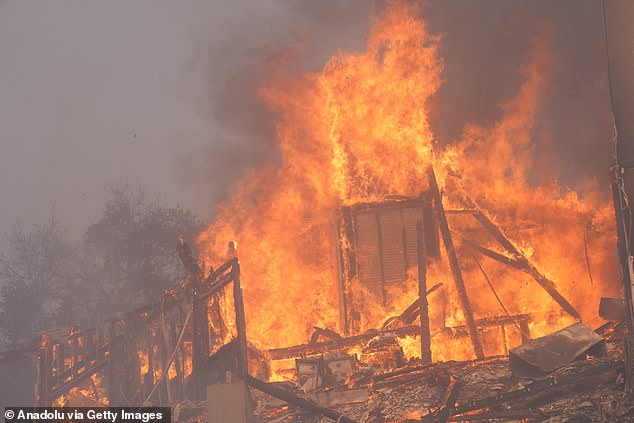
[{"x": 358, "y": 131}]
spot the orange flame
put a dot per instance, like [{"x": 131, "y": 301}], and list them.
[{"x": 358, "y": 131}]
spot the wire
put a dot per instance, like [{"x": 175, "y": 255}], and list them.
[{"x": 169, "y": 362}]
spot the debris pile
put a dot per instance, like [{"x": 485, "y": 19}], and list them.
[{"x": 581, "y": 378}]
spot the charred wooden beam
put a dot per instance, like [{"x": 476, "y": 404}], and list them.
[
  {"x": 221, "y": 271},
  {"x": 58, "y": 365},
  {"x": 425, "y": 336},
  {"x": 525, "y": 265},
  {"x": 243, "y": 360},
  {"x": 338, "y": 344},
  {"x": 198, "y": 356},
  {"x": 298, "y": 401},
  {"x": 216, "y": 287},
  {"x": 325, "y": 333},
  {"x": 342, "y": 274},
  {"x": 79, "y": 378},
  {"x": 412, "y": 311},
  {"x": 525, "y": 331},
  {"x": 351, "y": 341},
  {"x": 492, "y": 322},
  {"x": 463, "y": 298},
  {"x": 451, "y": 395},
  {"x": 190, "y": 263},
  {"x": 495, "y": 255}
]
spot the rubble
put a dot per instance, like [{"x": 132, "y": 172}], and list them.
[{"x": 587, "y": 389}]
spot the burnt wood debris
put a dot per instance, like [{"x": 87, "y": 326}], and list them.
[{"x": 170, "y": 352}]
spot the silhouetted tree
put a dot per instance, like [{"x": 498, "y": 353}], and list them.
[
  {"x": 34, "y": 272},
  {"x": 125, "y": 259},
  {"x": 128, "y": 257}
]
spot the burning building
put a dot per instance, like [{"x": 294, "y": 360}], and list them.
[
  {"x": 372, "y": 254},
  {"x": 357, "y": 135}
]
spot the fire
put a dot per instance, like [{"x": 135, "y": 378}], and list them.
[
  {"x": 568, "y": 235},
  {"x": 358, "y": 131}
]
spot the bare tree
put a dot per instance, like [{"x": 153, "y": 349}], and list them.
[{"x": 34, "y": 272}]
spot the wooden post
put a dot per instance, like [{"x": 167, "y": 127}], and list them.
[
  {"x": 342, "y": 274},
  {"x": 197, "y": 364},
  {"x": 454, "y": 265},
  {"x": 425, "y": 336},
  {"x": 243, "y": 361},
  {"x": 114, "y": 363},
  {"x": 59, "y": 363},
  {"x": 43, "y": 377},
  {"x": 504, "y": 340},
  {"x": 525, "y": 332},
  {"x": 74, "y": 344}
]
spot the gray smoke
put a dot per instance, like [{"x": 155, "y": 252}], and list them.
[{"x": 164, "y": 94}]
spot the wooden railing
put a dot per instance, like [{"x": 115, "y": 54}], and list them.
[{"x": 133, "y": 351}]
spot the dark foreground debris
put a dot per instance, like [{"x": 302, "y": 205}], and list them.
[{"x": 588, "y": 389}]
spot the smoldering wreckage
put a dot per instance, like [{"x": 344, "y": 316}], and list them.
[{"x": 198, "y": 348}]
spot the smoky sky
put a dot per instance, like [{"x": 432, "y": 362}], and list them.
[{"x": 164, "y": 94}]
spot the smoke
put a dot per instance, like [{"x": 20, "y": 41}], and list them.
[
  {"x": 299, "y": 37},
  {"x": 484, "y": 44}
]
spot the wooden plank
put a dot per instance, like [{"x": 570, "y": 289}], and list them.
[
  {"x": 411, "y": 312},
  {"x": 452, "y": 257},
  {"x": 338, "y": 344},
  {"x": 293, "y": 399}
]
